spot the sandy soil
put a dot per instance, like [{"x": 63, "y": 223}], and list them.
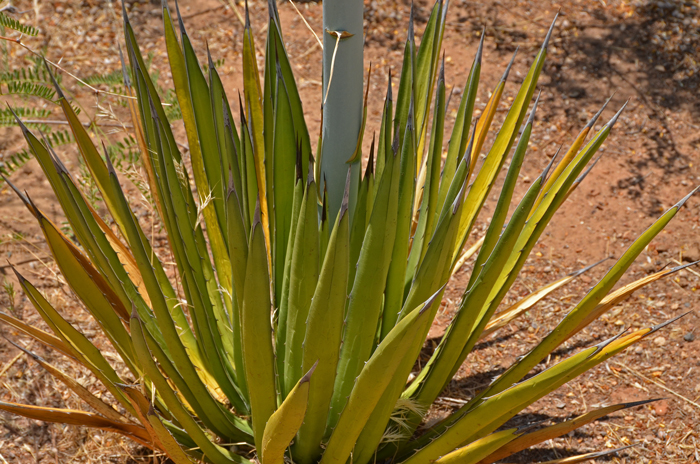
[{"x": 646, "y": 52}]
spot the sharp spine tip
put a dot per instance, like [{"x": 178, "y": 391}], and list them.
[
  {"x": 510, "y": 65},
  {"x": 683, "y": 266},
  {"x": 687, "y": 197},
  {"x": 389, "y": 91},
  {"x": 53, "y": 80},
  {"x": 549, "y": 33},
  {"x": 531, "y": 119},
  {"x": 595, "y": 117},
  {"x": 589, "y": 267},
  {"x": 634, "y": 404},
  {"x": 108, "y": 161},
  {"x": 480, "y": 49},
  {"x": 430, "y": 301},
  {"x": 370, "y": 160},
  {"x": 613, "y": 120},
  {"x": 125, "y": 16},
  {"x": 19, "y": 276},
  {"x": 658, "y": 327},
  {"x": 551, "y": 163},
  {"x": 346, "y": 192},
  {"x": 307, "y": 376},
  {"x": 210, "y": 61},
  {"x": 256, "y": 217},
  {"x": 310, "y": 175},
  {"x": 179, "y": 20},
  {"x": 125, "y": 72}
]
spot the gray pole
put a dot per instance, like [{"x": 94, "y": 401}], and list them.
[{"x": 343, "y": 105}]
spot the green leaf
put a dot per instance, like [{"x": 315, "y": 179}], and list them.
[
  {"x": 460, "y": 131},
  {"x": 372, "y": 381},
  {"x": 587, "y": 304},
  {"x": 257, "y": 334},
  {"x": 212, "y": 451},
  {"x": 283, "y": 311},
  {"x": 483, "y": 418},
  {"x": 303, "y": 277},
  {"x": 323, "y": 337},
  {"x": 394, "y": 291},
  {"x": 479, "y": 449},
  {"x": 366, "y": 296},
  {"x": 285, "y": 422},
  {"x": 284, "y": 152}
]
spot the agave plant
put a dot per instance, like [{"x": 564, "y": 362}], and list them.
[{"x": 304, "y": 289}]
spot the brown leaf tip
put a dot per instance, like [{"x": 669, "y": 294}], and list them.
[
  {"x": 433, "y": 298},
  {"x": 307, "y": 376},
  {"x": 257, "y": 217},
  {"x": 346, "y": 193}
]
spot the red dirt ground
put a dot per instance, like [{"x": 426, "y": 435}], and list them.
[{"x": 642, "y": 51}]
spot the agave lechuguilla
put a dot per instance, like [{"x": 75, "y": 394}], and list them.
[{"x": 302, "y": 313}]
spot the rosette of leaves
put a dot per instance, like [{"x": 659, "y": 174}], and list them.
[{"x": 291, "y": 330}]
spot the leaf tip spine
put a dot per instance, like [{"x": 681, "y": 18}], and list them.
[
  {"x": 183, "y": 33},
  {"x": 247, "y": 16},
  {"x": 257, "y": 220},
  {"x": 480, "y": 49},
  {"x": 679, "y": 268},
  {"x": 549, "y": 33},
  {"x": 389, "y": 91},
  {"x": 613, "y": 120},
  {"x": 506, "y": 73},
  {"x": 658, "y": 327},
  {"x": 108, "y": 161},
  {"x": 433, "y": 298},
  {"x": 634, "y": 404},
  {"x": 19, "y": 276},
  {"x": 346, "y": 194},
  {"x": 310, "y": 179},
  {"x": 411, "y": 33},
  {"x": 587, "y": 171},
  {"x": 125, "y": 15},
  {"x": 125, "y": 73},
  {"x": 531, "y": 118},
  {"x": 370, "y": 161},
  {"x": 59, "y": 92},
  {"x": 307, "y": 376},
  {"x": 595, "y": 117},
  {"x": 550, "y": 164},
  {"x": 687, "y": 197},
  {"x": 589, "y": 267}
]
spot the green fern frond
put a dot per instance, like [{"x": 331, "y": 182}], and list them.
[
  {"x": 30, "y": 89},
  {"x": 8, "y": 119},
  {"x": 26, "y": 74},
  {"x": 60, "y": 138},
  {"x": 10, "y": 164},
  {"x": 15, "y": 25},
  {"x": 172, "y": 112},
  {"x": 111, "y": 79}
]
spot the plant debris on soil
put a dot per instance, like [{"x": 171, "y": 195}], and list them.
[{"x": 644, "y": 51}]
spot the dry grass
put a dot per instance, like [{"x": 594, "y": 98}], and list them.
[{"x": 660, "y": 139}]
